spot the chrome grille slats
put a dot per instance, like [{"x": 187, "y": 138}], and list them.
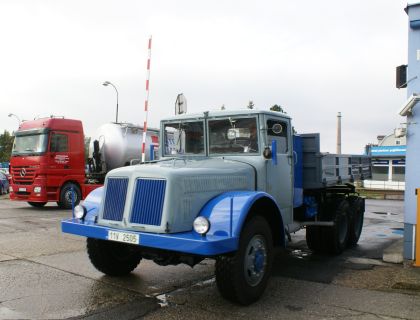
[
  {"x": 149, "y": 196},
  {"x": 115, "y": 198}
]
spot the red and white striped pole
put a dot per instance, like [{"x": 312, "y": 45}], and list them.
[{"x": 146, "y": 102}]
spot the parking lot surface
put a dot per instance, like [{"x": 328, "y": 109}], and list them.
[{"x": 45, "y": 274}]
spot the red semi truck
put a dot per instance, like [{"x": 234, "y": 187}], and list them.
[{"x": 48, "y": 159}]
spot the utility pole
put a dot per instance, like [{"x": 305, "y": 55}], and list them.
[{"x": 339, "y": 133}]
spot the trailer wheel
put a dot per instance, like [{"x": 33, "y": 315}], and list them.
[
  {"x": 314, "y": 238},
  {"x": 37, "y": 204},
  {"x": 112, "y": 258},
  {"x": 337, "y": 236},
  {"x": 242, "y": 277},
  {"x": 356, "y": 220},
  {"x": 65, "y": 195}
]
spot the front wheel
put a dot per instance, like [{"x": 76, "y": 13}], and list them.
[
  {"x": 112, "y": 258},
  {"x": 66, "y": 196},
  {"x": 242, "y": 277}
]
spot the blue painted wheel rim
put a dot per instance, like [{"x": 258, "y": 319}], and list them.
[{"x": 255, "y": 260}]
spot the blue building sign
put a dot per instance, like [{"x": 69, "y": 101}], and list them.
[{"x": 388, "y": 151}]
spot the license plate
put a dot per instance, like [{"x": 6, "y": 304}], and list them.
[
  {"x": 123, "y": 237},
  {"x": 22, "y": 189}
]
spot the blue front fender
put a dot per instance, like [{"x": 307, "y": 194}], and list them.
[
  {"x": 227, "y": 213},
  {"x": 92, "y": 203}
]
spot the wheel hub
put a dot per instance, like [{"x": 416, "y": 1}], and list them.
[{"x": 255, "y": 260}]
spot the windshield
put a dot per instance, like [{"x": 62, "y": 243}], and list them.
[
  {"x": 184, "y": 138},
  {"x": 233, "y": 135},
  {"x": 30, "y": 144}
]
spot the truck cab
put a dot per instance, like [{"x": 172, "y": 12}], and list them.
[
  {"x": 230, "y": 186},
  {"x": 243, "y": 137},
  {"x": 47, "y": 162}
]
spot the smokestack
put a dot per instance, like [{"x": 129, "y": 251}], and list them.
[{"x": 339, "y": 133}]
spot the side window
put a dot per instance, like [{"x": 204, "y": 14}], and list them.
[
  {"x": 278, "y": 130},
  {"x": 59, "y": 143}
]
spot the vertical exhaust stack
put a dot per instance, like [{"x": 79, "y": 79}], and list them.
[{"x": 339, "y": 133}]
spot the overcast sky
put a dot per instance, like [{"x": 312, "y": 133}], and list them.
[{"x": 315, "y": 58}]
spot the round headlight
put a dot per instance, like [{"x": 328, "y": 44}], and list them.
[
  {"x": 201, "y": 225},
  {"x": 79, "y": 211}
]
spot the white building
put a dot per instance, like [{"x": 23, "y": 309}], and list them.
[{"x": 388, "y": 163}]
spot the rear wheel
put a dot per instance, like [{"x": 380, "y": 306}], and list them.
[
  {"x": 37, "y": 204},
  {"x": 66, "y": 195},
  {"x": 357, "y": 211},
  {"x": 242, "y": 277},
  {"x": 314, "y": 238},
  {"x": 331, "y": 240},
  {"x": 338, "y": 234},
  {"x": 113, "y": 258}
]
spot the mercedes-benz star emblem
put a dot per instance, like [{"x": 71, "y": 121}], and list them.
[{"x": 23, "y": 172}]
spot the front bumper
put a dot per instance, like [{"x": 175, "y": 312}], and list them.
[
  {"x": 27, "y": 193},
  {"x": 184, "y": 242}
]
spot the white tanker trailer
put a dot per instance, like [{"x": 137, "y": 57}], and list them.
[{"x": 116, "y": 145}]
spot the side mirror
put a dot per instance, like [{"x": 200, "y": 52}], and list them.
[
  {"x": 267, "y": 153},
  {"x": 271, "y": 153},
  {"x": 277, "y": 128}
]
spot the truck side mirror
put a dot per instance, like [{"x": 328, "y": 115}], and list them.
[
  {"x": 267, "y": 153},
  {"x": 271, "y": 153}
]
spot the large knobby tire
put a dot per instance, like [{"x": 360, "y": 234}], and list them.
[
  {"x": 331, "y": 240},
  {"x": 337, "y": 236},
  {"x": 242, "y": 277},
  {"x": 314, "y": 238},
  {"x": 113, "y": 258},
  {"x": 37, "y": 204},
  {"x": 356, "y": 220},
  {"x": 66, "y": 195}
]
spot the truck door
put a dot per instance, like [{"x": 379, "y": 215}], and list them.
[
  {"x": 59, "y": 160},
  {"x": 279, "y": 176}
]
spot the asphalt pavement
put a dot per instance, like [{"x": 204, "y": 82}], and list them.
[{"x": 45, "y": 274}]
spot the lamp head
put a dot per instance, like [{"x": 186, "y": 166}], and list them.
[{"x": 106, "y": 83}]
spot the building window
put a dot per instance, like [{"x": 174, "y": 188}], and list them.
[
  {"x": 398, "y": 173},
  {"x": 380, "y": 173},
  {"x": 397, "y": 142}
]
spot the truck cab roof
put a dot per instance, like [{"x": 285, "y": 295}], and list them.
[
  {"x": 52, "y": 124},
  {"x": 226, "y": 113}
]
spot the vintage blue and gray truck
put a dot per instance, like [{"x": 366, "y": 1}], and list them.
[{"x": 229, "y": 186}]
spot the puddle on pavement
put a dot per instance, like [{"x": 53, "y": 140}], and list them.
[
  {"x": 385, "y": 213},
  {"x": 162, "y": 300},
  {"x": 399, "y": 231},
  {"x": 168, "y": 299},
  {"x": 301, "y": 254}
]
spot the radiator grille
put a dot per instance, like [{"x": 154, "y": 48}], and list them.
[
  {"x": 116, "y": 192},
  {"x": 23, "y": 175},
  {"x": 148, "y": 202}
]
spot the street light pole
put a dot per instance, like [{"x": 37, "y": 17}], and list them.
[
  {"x": 13, "y": 115},
  {"x": 107, "y": 83}
]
